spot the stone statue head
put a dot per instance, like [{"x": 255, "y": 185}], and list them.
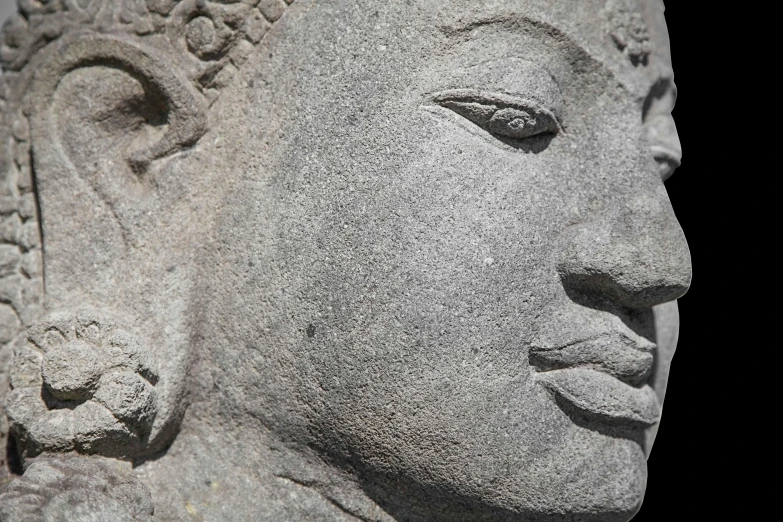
[{"x": 424, "y": 247}]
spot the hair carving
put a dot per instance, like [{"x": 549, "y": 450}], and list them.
[{"x": 216, "y": 36}]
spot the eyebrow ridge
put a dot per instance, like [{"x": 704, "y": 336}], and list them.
[{"x": 584, "y": 62}]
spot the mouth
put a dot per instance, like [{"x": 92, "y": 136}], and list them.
[
  {"x": 603, "y": 377},
  {"x": 603, "y": 397}
]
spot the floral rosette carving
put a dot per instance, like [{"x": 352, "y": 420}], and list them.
[{"x": 82, "y": 384}]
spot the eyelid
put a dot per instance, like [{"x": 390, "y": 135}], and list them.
[{"x": 479, "y": 107}]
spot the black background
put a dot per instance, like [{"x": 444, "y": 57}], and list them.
[{"x": 712, "y": 446}]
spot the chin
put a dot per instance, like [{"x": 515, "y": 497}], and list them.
[
  {"x": 600, "y": 479},
  {"x": 588, "y": 477}
]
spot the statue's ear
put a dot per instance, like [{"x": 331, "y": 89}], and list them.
[
  {"x": 111, "y": 108},
  {"x": 107, "y": 118}
]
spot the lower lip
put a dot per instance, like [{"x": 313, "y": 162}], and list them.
[{"x": 604, "y": 398}]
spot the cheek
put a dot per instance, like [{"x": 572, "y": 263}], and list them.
[
  {"x": 473, "y": 227},
  {"x": 443, "y": 269}
]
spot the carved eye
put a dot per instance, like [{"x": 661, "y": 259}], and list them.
[
  {"x": 661, "y": 129},
  {"x": 517, "y": 122}
]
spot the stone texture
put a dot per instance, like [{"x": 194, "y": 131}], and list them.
[
  {"x": 76, "y": 489},
  {"x": 335, "y": 260}
]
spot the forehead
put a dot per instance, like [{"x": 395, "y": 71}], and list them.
[{"x": 626, "y": 38}]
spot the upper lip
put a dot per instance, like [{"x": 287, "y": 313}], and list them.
[
  {"x": 602, "y": 376},
  {"x": 626, "y": 356}
]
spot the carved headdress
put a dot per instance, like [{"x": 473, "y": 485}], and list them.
[{"x": 216, "y": 36}]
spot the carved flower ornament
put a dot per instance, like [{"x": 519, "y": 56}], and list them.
[{"x": 81, "y": 383}]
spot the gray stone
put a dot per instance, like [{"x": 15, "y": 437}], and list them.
[
  {"x": 76, "y": 489},
  {"x": 335, "y": 260}
]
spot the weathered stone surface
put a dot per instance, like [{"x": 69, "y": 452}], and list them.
[
  {"x": 76, "y": 489},
  {"x": 335, "y": 260}
]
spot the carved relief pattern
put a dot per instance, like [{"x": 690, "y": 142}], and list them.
[
  {"x": 89, "y": 378},
  {"x": 215, "y": 36},
  {"x": 21, "y": 279},
  {"x": 57, "y": 483},
  {"x": 628, "y": 30}
]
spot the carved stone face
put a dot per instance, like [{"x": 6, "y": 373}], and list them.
[
  {"x": 447, "y": 242},
  {"x": 423, "y": 238}
]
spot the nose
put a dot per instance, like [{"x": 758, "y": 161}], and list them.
[{"x": 636, "y": 257}]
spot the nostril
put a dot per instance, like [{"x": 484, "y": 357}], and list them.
[
  {"x": 635, "y": 271},
  {"x": 621, "y": 288}
]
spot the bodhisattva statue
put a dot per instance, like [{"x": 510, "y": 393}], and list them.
[{"x": 332, "y": 260}]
